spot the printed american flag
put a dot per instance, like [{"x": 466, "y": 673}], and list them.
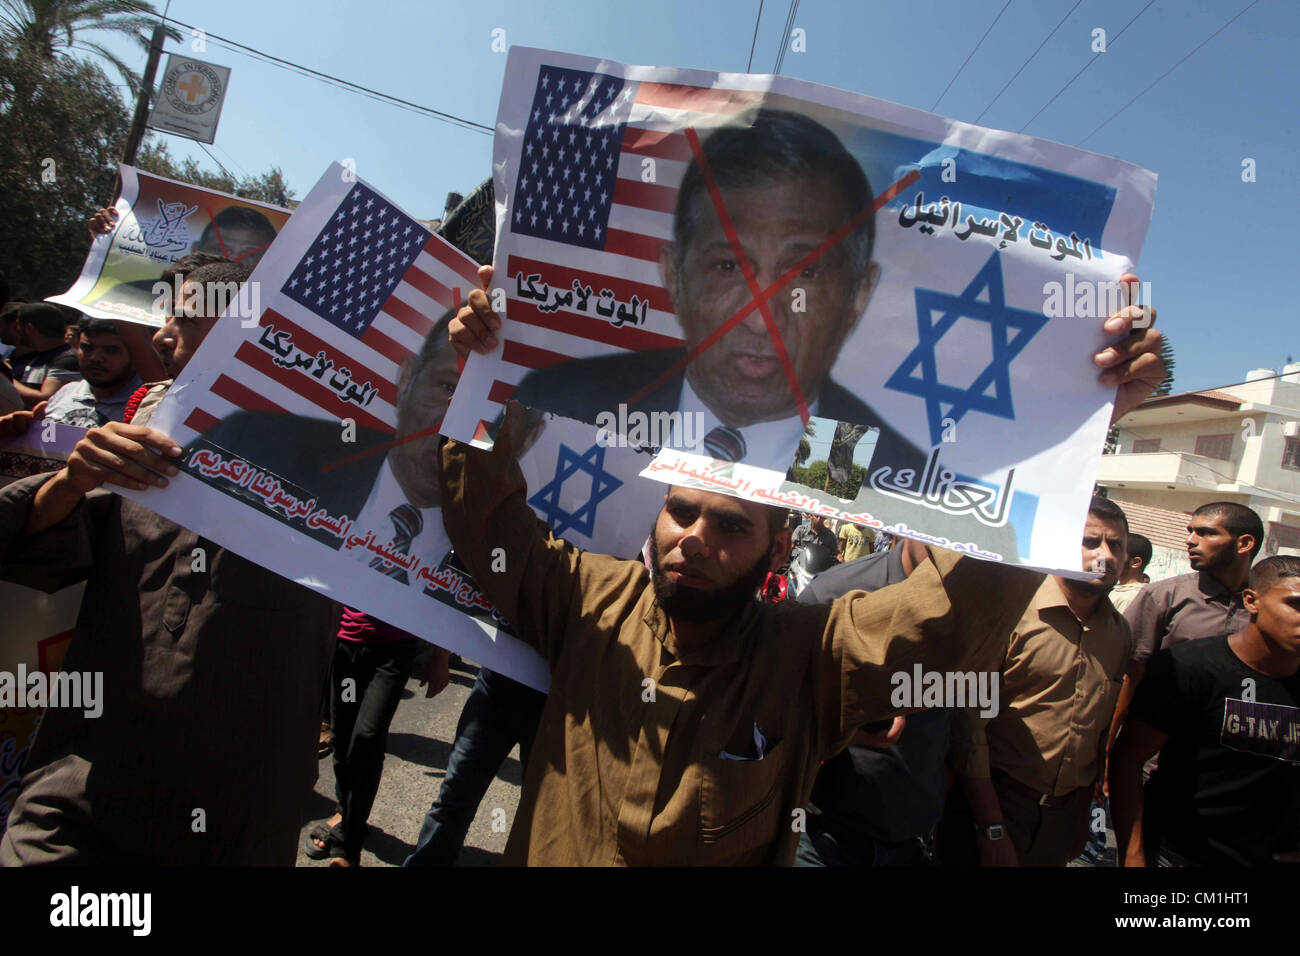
[
  {"x": 366, "y": 291},
  {"x": 594, "y": 194}
]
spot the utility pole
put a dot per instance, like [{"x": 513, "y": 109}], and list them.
[{"x": 136, "y": 136}]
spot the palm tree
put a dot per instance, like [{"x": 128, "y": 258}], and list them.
[{"x": 46, "y": 29}]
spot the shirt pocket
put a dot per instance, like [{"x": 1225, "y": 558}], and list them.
[{"x": 739, "y": 799}]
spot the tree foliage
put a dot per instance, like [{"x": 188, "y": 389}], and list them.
[
  {"x": 62, "y": 129},
  {"x": 816, "y": 476},
  {"x": 1166, "y": 386},
  {"x": 50, "y": 30},
  {"x": 269, "y": 187}
]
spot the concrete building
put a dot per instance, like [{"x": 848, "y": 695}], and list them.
[{"x": 1236, "y": 443}]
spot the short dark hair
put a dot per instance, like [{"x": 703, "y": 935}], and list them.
[
  {"x": 1237, "y": 519},
  {"x": 1270, "y": 571},
  {"x": 775, "y": 144},
  {"x": 1139, "y": 546},
  {"x": 186, "y": 264},
  {"x": 47, "y": 319},
  {"x": 89, "y": 325},
  {"x": 1107, "y": 510}
]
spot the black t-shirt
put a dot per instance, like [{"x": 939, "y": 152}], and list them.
[{"x": 1227, "y": 791}]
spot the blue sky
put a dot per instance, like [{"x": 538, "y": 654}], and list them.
[{"x": 1220, "y": 251}]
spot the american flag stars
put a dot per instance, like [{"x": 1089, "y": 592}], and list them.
[
  {"x": 366, "y": 236},
  {"x": 572, "y": 141}
]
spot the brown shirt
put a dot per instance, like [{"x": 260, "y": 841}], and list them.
[
  {"x": 1060, "y": 683},
  {"x": 628, "y": 766},
  {"x": 212, "y": 681},
  {"x": 1180, "y": 609}
]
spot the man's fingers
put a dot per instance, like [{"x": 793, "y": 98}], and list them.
[
  {"x": 1137, "y": 356},
  {"x": 468, "y": 333},
  {"x": 138, "y": 454},
  {"x": 1130, "y": 318},
  {"x": 481, "y": 306},
  {"x": 485, "y": 277}
]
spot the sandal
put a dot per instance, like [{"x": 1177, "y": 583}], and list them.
[{"x": 332, "y": 837}]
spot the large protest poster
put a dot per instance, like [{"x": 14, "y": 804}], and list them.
[
  {"x": 310, "y": 430},
  {"x": 37, "y": 626},
  {"x": 726, "y": 265},
  {"x": 159, "y": 221}
]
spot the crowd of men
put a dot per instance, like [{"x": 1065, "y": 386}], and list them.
[{"x": 909, "y": 706}]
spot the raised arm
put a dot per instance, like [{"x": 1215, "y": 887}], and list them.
[
  {"x": 952, "y": 614},
  {"x": 539, "y": 582}
]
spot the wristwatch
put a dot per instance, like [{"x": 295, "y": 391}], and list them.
[{"x": 992, "y": 830}]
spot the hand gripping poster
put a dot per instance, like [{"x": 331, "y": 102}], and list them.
[
  {"x": 159, "y": 221},
  {"x": 810, "y": 297}
]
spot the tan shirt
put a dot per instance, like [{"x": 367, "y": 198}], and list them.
[
  {"x": 1122, "y": 595},
  {"x": 627, "y": 765},
  {"x": 1060, "y": 682}
]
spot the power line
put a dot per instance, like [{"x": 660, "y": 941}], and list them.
[
  {"x": 752, "y": 43},
  {"x": 972, "y": 53},
  {"x": 203, "y": 146},
  {"x": 1026, "y": 63},
  {"x": 1166, "y": 73},
  {"x": 785, "y": 34},
  {"x": 231, "y": 157},
  {"x": 1067, "y": 83},
  {"x": 238, "y": 47}
]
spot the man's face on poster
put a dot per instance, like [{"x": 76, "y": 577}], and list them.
[
  {"x": 778, "y": 222},
  {"x": 424, "y": 394}
]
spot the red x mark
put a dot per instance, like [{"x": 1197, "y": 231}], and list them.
[
  {"x": 221, "y": 242},
  {"x": 761, "y": 298}
]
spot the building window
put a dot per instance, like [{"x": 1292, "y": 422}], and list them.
[
  {"x": 1145, "y": 446},
  {"x": 1281, "y": 536},
  {"x": 1215, "y": 446},
  {"x": 1291, "y": 454}
]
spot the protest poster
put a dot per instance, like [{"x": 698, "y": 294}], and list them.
[
  {"x": 310, "y": 430},
  {"x": 159, "y": 221},
  {"x": 38, "y": 626},
  {"x": 725, "y": 264}
]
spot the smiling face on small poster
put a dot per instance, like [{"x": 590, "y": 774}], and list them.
[{"x": 720, "y": 261}]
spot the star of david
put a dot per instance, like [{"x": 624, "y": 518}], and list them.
[
  {"x": 569, "y": 463},
  {"x": 1010, "y": 329}
]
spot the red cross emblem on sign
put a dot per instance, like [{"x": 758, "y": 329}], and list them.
[{"x": 194, "y": 87}]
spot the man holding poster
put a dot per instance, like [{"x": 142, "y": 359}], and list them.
[
  {"x": 686, "y": 721},
  {"x": 719, "y": 264},
  {"x": 212, "y": 666}
]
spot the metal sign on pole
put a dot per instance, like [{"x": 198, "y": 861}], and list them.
[{"x": 190, "y": 98}]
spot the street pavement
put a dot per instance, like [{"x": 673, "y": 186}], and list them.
[{"x": 419, "y": 745}]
